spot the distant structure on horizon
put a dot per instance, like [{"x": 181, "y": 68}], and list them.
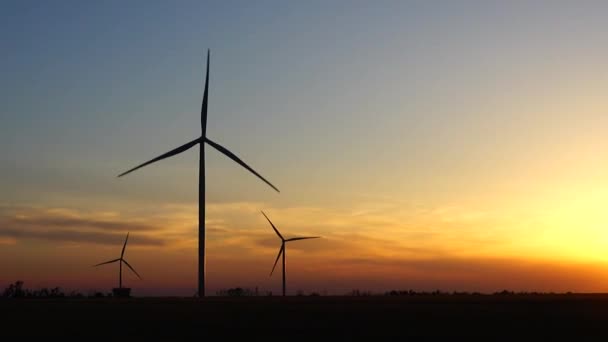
[
  {"x": 121, "y": 291},
  {"x": 201, "y": 176},
  {"x": 282, "y": 249}
]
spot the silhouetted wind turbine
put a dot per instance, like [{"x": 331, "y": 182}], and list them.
[
  {"x": 120, "y": 261},
  {"x": 201, "y": 178},
  {"x": 282, "y": 250}
]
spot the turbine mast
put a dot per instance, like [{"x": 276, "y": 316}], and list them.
[
  {"x": 201, "y": 222},
  {"x": 284, "y": 250},
  {"x": 120, "y": 274},
  {"x": 201, "y": 189}
]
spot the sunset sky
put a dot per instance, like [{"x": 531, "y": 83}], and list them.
[{"x": 452, "y": 145}]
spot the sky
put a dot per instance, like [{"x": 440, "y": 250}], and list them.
[{"x": 458, "y": 146}]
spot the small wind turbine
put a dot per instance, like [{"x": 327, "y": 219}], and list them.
[
  {"x": 121, "y": 260},
  {"x": 201, "y": 178},
  {"x": 282, "y": 250}
]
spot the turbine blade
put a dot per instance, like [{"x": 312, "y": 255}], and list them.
[
  {"x": 132, "y": 269},
  {"x": 124, "y": 246},
  {"x": 239, "y": 161},
  {"x": 303, "y": 238},
  {"x": 273, "y": 227},
  {"x": 278, "y": 256},
  {"x": 166, "y": 155},
  {"x": 107, "y": 262},
  {"x": 205, "y": 97}
]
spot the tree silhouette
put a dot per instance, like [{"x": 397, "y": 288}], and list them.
[{"x": 14, "y": 290}]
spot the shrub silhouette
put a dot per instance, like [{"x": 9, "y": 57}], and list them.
[
  {"x": 17, "y": 290},
  {"x": 236, "y": 292},
  {"x": 14, "y": 290}
]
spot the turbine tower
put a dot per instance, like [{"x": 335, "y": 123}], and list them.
[
  {"x": 201, "y": 177},
  {"x": 121, "y": 260},
  {"x": 282, "y": 249}
]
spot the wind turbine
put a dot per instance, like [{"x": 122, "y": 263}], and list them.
[
  {"x": 201, "y": 178},
  {"x": 282, "y": 249},
  {"x": 120, "y": 261}
]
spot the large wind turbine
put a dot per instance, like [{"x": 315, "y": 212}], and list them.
[
  {"x": 201, "y": 178},
  {"x": 282, "y": 250},
  {"x": 120, "y": 261}
]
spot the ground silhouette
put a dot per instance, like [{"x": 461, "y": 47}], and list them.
[{"x": 439, "y": 316}]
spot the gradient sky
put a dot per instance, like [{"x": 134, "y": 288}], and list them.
[{"x": 433, "y": 144}]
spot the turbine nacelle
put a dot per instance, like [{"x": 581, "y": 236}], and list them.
[{"x": 195, "y": 142}]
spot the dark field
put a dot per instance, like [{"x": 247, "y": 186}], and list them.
[{"x": 508, "y": 317}]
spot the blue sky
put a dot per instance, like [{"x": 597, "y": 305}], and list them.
[{"x": 102, "y": 86}]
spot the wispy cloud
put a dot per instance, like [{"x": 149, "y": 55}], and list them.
[
  {"x": 66, "y": 225},
  {"x": 63, "y": 235},
  {"x": 384, "y": 228},
  {"x": 79, "y": 223},
  {"x": 382, "y": 246},
  {"x": 7, "y": 240}
]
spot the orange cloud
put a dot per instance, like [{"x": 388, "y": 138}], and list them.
[{"x": 389, "y": 245}]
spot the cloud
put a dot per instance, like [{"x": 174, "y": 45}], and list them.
[
  {"x": 63, "y": 235},
  {"x": 471, "y": 274},
  {"x": 66, "y": 225},
  {"x": 74, "y": 222},
  {"x": 367, "y": 229},
  {"x": 365, "y": 247},
  {"x": 7, "y": 240}
]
